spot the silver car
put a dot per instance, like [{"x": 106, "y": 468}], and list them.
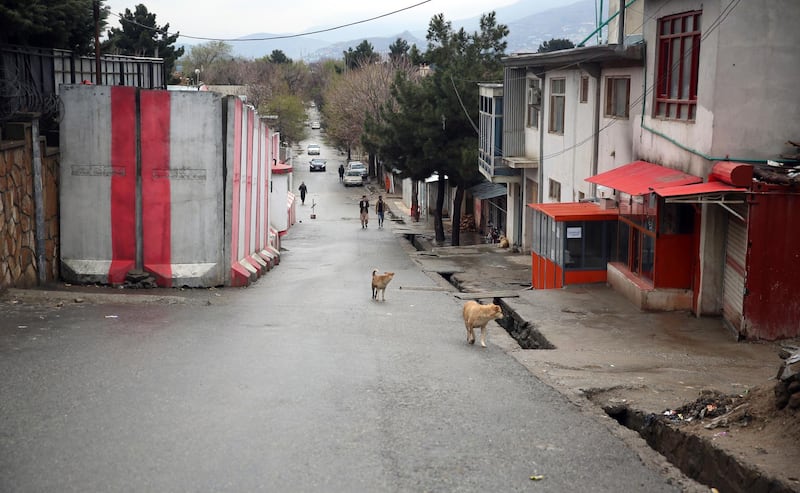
[{"x": 352, "y": 178}]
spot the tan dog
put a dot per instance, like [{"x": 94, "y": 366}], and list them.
[
  {"x": 477, "y": 315},
  {"x": 504, "y": 243},
  {"x": 379, "y": 283}
]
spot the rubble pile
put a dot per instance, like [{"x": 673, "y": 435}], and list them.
[
  {"x": 137, "y": 279},
  {"x": 787, "y": 390},
  {"x": 781, "y": 172}
]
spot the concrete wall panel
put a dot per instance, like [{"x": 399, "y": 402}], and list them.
[
  {"x": 97, "y": 184},
  {"x": 196, "y": 189}
]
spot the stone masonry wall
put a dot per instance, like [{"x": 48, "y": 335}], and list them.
[{"x": 17, "y": 209}]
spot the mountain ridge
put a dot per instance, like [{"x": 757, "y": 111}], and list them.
[{"x": 529, "y": 23}]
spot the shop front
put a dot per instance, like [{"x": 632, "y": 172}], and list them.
[
  {"x": 572, "y": 243},
  {"x": 657, "y": 260}
]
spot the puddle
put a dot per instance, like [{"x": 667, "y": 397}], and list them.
[{"x": 697, "y": 458}]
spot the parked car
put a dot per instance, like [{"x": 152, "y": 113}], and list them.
[
  {"x": 317, "y": 164},
  {"x": 361, "y": 167},
  {"x": 315, "y": 125},
  {"x": 352, "y": 178},
  {"x": 312, "y": 149}
]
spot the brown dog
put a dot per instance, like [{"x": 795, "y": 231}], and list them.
[
  {"x": 379, "y": 283},
  {"x": 477, "y": 315}
]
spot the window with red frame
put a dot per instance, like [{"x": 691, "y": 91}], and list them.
[{"x": 678, "y": 63}]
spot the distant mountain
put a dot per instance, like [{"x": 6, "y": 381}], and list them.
[
  {"x": 379, "y": 45},
  {"x": 573, "y": 22},
  {"x": 296, "y": 48},
  {"x": 530, "y": 23}
]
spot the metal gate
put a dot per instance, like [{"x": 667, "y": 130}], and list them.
[{"x": 735, "y": 271}]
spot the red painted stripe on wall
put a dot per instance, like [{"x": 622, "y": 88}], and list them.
[
  {"x": 237, "y": 178},
  {"x": 248, "y": 212},
  {"x": 123, "y": 183},
  {"x": 156, "y": 201},
  {"x": 260, "y": 174}
]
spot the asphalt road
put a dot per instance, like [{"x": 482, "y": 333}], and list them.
[{"x": 300, "y": 382}]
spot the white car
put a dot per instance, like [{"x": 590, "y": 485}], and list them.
[
  {"x": 315, "y": 125},
  {"x": 358, "y": 165},
  {"x": 352, "y": 178},
  {"x": 312, "y": 149}
]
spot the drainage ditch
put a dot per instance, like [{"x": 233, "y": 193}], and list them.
[{"x": 697, "y": 458}]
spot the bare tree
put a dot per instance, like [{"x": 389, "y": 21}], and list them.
[{"x": 355, "y": 95}]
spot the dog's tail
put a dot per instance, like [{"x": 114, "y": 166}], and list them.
[{"x": 374, "y": 271}]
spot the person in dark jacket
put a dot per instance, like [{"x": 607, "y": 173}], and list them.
[
  {"x": 380, "y": 209},
  {"x": 303, "y": 192}
]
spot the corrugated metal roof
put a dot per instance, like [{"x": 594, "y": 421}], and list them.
[
  {"x": 698, "y": 189},
  {"x": 576, "y": 211},
  {"x": 487, "y": 190},
  {"x": 641, "y": 177}
]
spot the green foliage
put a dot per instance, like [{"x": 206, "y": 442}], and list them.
[
  {"x": 279, "y": 57},
  {"x": 141, "y": 36},
  {"x": 555, "y": 44},
  {"x": 213, "y": 59},
  {"x": 291, "y": 115},
  {"x": 398, "y": 49},
  {"x": 433, "y": 126},
  {"x": 436, "y": 117},
  {"x": 63, "y": 24},
  {"x": 363, "y": 54}
]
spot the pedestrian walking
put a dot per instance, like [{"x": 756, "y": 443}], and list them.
[
  {"x": 363, "y": 210},
  {"x": 303, "y": 190},
  {"x": 341, "y": 172},
  {"x": 380, "y": 207}
]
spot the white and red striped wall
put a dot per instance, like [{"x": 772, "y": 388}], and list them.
[{"x": 172, "y": 183}]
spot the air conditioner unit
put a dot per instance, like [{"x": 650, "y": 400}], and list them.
[{"x": 534, "y": 96}]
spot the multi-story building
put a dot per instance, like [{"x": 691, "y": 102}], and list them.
[{"x": 665, "y": 126}]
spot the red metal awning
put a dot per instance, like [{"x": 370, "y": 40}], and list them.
[
  {"x": 698, "y": 189},
  {"x": 641, "y": 177},
  {"x": 576, "y": 211}
]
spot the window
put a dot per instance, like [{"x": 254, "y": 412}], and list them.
[
  {"x": 534, "y": 103},
  {"x": 618, "y": 96},
  {"x": 678, "y": 61},
  {"x": 554, "y": 190},
  {"x": 584, "y": 89},
  {"x": 557, "y": 91}
]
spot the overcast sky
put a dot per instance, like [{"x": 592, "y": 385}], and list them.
[{"x": 235, "y": 18}]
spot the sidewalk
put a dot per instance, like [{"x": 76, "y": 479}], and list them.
[{"x": 635, "y": 365}]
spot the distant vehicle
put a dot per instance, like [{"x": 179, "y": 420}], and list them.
[
  {"x": 317, "y": 164},
  {"x": 358, "y": 165},
  {"x": 315, "y": 125},
  {"x": 312, "y": 149},
  {"x": 352, "y": 178}
]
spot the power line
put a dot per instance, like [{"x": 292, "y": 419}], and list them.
[{"x": 270, "y": 38}]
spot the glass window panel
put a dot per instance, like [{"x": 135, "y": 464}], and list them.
[
  {"x": 675, "y": 63},
  {"x": 595, "y": 245},
  {"x": 623, "y": 241},
  {"x": 648, "y": 255}
]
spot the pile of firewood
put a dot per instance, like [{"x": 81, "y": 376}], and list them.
[{"x": 467, "y": 223}]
